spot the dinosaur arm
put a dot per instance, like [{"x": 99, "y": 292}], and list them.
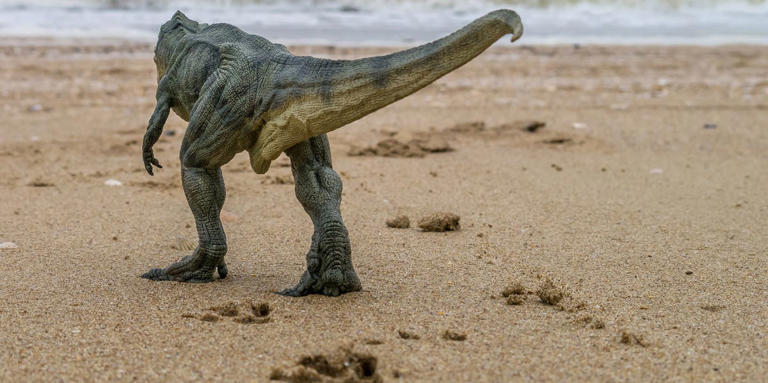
[{"x": 155, "y": 128}]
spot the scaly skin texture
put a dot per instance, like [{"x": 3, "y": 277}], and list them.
[{"x": 240, "y": 92}]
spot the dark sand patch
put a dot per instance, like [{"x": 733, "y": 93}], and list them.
[
  {"x": 209, "y": 317},
  {"x": 591, "y": 322},
  {"x": 38, "y": 183},
  {"x": 261, "y": 309},
  {"x": 405, "y": 144},
  {"x": 228, "y": 309},
  {"x": 251, "y": 319},
  {"x": 280, "y": 179},
  {"x": 403, "y": 334},
  {"x": 155, "y": 185},
  {"x": 243, "y": 313},
  {"x": 713, "y": 308}
]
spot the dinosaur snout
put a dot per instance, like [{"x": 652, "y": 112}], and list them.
[
  {"x": 517, "y": 30},
  {"x": 513, "y": 21}
]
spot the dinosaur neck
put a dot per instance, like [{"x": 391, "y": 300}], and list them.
[
  {"x": 355, "y": 88},
  {"x": 171, "y": 33}
]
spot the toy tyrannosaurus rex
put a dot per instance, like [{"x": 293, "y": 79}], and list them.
[{"x": 241, "y": 92}]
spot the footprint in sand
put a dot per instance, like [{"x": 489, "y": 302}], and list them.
[{"x": 245, "y": 313}]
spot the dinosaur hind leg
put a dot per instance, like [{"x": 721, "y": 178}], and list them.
[
  {"x": 213, "y": 137},
  {"x": 205, "y": 193},
  {"x": 318, "y": 189}
]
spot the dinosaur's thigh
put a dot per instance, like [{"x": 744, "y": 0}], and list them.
[{"x": 212, "y": 149}]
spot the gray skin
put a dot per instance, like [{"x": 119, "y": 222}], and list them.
[{"x": 240, "y": 92}]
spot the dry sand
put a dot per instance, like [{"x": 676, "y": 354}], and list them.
[{"x": 653, "y": 227}]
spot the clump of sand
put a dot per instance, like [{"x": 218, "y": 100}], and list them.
[
  {"x": 453, "y": 335},
  {"x": 559, "y": 296},
  {"x": 344, "y": 365},
  {"x": 591, "y": 322},
  {"x": 439, "y": 222},
  {"x": 515, "y": 293},
  {"x": 403, "y": 334},
  {"x": 514, "y": 288},
  {"x": 549, "y": 293},
  {"x": 400, "y": 222},
  {"x": 626, "y": 337}
]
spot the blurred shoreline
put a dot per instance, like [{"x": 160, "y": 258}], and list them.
[{"x": 400, "y": 23}]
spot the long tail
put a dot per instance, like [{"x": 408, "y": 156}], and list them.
[{"x": 316, "y": 96}]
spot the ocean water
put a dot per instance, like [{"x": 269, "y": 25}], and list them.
[{"x": 401, "y": 22}]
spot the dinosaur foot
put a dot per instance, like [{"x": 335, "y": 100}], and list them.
[
  {"x": 333, "y": 282},
  {"x": 192, "y": 269}
]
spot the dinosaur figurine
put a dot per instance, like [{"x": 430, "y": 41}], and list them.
[{"x": 241, "y": 92}]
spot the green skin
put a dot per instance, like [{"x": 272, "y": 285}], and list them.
[{"x": 240, "y": 92}]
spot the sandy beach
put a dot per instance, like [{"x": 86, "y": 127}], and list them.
[{"x": 642, "y": 199}]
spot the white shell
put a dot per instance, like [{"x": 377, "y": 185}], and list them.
[
  {"x": 8, "y": 245},
  {"x": 113, "y": 182}
]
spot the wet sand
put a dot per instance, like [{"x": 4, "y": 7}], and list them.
[{"x": 651, "y": 226}]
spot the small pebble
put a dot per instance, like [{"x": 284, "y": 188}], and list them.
[
  {"x": 113, "y": 182},
  {"x": 710, "y": 126},
  {"x": 657, "y": 171},
  {"x": 688, "y": 272},
  {"x": 579, "y": 125}
]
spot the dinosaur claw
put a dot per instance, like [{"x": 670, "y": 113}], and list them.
[{"x": 155, "y": 275}]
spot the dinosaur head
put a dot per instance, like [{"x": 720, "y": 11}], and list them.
[{"x": 170, "y": 34}]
